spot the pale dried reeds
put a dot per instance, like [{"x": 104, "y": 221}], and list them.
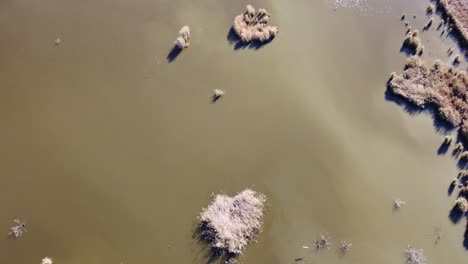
[
  {"x": 229, "y": 224},
  {"x": 182, "y": 41},
  {"x": 462, "y": 204},
  {"x": 414, "y": 256},
  {"x": 442, "y": 86},
  {"x": 253, "y": 26},
  {"x": 412, "y": 41}
]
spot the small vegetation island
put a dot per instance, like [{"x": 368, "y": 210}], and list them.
[
  {"x": 437, "y": 85},
  {"x": 253, "y": 26},
  {"x": 229, "y": 224}
]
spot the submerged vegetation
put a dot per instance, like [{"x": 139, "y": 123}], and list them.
[
  {"x": 414, "y": 256},
  {"x": 345, "y": 246},
  {"x": 438, "y": 85},
  {"x": 398, "y": 203},
  {"x": 324, "y": 242},
  {"x": 18, "y": 229},
  {"x": 253, "y": 26},
  {"x": 229, "y": 224}
]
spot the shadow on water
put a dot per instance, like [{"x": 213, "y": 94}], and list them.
[
  {"x": 440, "y": 125},
  {"x": 215, "y": 98},
  {"x": 455, "y": 215},
  {"x": 211, "y": 254},
  {"x": 462, "y": 164},
  {"x": 451, "y": 188},
  {"x": 443, "y": 149},
  {"x": 407, "y": 51},
  {"x": 173, "y": 54},
  {"x": 235, "y": 41}
]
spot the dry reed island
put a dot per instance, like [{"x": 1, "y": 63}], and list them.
[
  {"x": 437, "y": 85},
  {"x": 252, "y": 25},
  {"x": 229, "y": 224},
  {"x": 457, "y": 12}
]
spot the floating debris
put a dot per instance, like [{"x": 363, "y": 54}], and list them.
[
  {"x": 345, "y": 245},
  {"x": 182, "y": 41},
  {"x": 414, "y": 256},
  {"x": 18, "y": 229},
  {"x": 46, "y": 260},
  {"x": 323, "y": 242},
  {"x": 305, "y": 247},
  {"x": 398, "y": 203},
  {"x": 58, "y": 41}
]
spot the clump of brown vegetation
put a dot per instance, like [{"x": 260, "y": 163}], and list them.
[
  {"x": 253, "y": 26},
  {"x": 456, "y": 11},
  {"x": 443, "y": 87},
  {"x": 229, "y": 224},
  {"x": 464, "y": 155},
  {"x": 182, "y": 41},
  {"x": 428, "y": 24},
  {"x": 430, "y": 9},
  {"x": 462, "y": 204},
  {"x": 447, "y": 140},
  {"x": 412, "y": 41}
]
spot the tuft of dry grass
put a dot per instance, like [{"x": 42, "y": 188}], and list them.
[
  {"x": 438, "y": 85},
  {"x": 229, "y": 224},
  {"x": 412, "y": 41},
  {"x": 429, "y": 23},
  {"x": 464, "y": 155},
  {"x": 447, "y": 140},
  {"x": 253, "y": 26},
  {"x": 182, "y": 41},
  {"x": 462, "y": 204},
  {"x": 430, "y": 9}
]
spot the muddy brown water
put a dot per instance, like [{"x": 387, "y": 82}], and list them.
[{"x": 110, "y": 152}]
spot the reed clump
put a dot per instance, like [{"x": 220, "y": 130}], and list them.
[
  {"x": 412, "y": 41},
  {"x": 182, "y": 40},
  {"x": 455, "y": 11},
  {"x": 253, "y": 25},
  {"x": 229, "y": 224},
  {"x": 447, "y": 140},
  {"x": 430, "y": 9},
  {"x": 462, "y": 204},
  {"x": 438, "y": 85}
]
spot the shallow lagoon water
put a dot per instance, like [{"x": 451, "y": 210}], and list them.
[{"x": 110, "y": 152}]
